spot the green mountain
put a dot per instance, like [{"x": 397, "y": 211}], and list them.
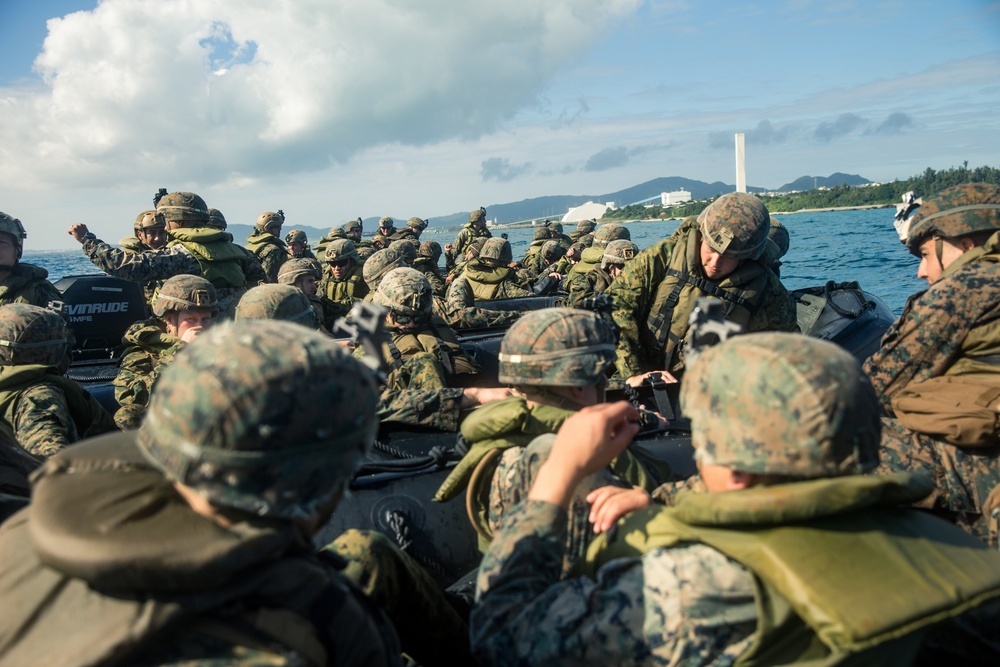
[{"x": 814, "y": 182}]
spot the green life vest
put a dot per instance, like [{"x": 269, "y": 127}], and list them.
[
  {"x": 465, "y": 240},
  {"x": 839, "y": 567},
  {"x": 87, "y": 413},
  {"x": 439, "y": 341},
  {"x": 348, "y": 290},
  {"x": 258, "y": 242},
  {"x": 676, "y": 295},
  {"x": 492, "y": 282},
  {"x": 589, "y": 258},
  {"x": 220, "y": 260}
]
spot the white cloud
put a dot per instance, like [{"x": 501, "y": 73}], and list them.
[{"x": 208, "y": 92}]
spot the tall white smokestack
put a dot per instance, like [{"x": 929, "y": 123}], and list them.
[{"x": 741, "y": 166}]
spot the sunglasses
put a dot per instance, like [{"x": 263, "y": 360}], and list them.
[
  {"x": 340, "y": 263},
  {"x": 400, "y": 318}
]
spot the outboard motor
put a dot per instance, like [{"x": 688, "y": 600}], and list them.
[{"x": 100, "y": 309}]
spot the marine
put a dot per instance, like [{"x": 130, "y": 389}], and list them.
[
  {"x": 149, "y": 233},
  {"x": 277, "y": 302},
  {"x": 584, "y": 233},
  {"x": 414, "y": 227},
  {"x": 344, "y": 280},
  {"x": 937, "y": 372},
  {"x": 41, "y": 409},
  {"x": 21, "y": 282},
  {"x": 599, "y": 279},
  {"x": 183, "y": 310},
  {"x": 304, "y": 274},
  {"x": 265, "y": 242},
  {"x": 793, "y": 556},
  {"x": 714, "y": 256},
  {"x": 532, "y": 256},
  {"x": 557, "y": 234},
  {"x": 592, "y": 257},
  {"x": 486, "y": 278},
  {"x": 474, "y": 229},
  {"x": 194, "y": 248},
  {"x": 428, "y": 256},
  {"x": 189, "y": 540},
  {"x": 298, "y": 245},
  {"x": 557, "y": 360},
  {"x": 382, "y": 262}
]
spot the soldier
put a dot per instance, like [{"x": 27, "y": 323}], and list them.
[
  {"x": 472, "y": 253},
  {"x": 556, "y": 359},
  {"x": 936, "y": 375},
  {"x": 584, "y": 233},
  {"x": 183, "y": 310},
  {"x": 298, "y": 245},
  {"x": 557, "y": 234},
  {"x": 149, "y": 233},
  {"x": 793, "y": 555},
  {"x": 427, "y": 260},
  {"x": 554, "y": 262},
  {"x": 486, "y": 278},
  {"x": 217, "y": 221},
  {"x": 656, "y": 292},
  {"x": 475, "y": 229},
  {"x": 188, "y": 541},
  {"x": 335, "y": 233},
  {"x": 381, "y": 263},
  {"x": 304, "y": 274},
  {"x": 20, "y": 282},
  {"x": 386, "y": 228},
  {"x": 592, "y": 257},
  {"x": 532, "y": 256},
  {"x": 599, "y": 279},
  {"x": 354, "y": 230},
  {"x": 41, "y": 409},
  {"x": 344, "y": 281},
  {"x": 414, "y": 227},
  {"x": 277, "y": 302},
  {"x": 194, "y": 248},
  {"x": 265, "y": 242}
]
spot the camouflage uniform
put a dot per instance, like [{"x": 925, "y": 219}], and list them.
[
  {"x": 584, "y": 233},
  {"x": 656, "y": 292},
  {"x": 40, "y": 409},
  {"x": 150, "y": 347},
  {"x": 558, "y": 236},
  {"x": 327, "y": 312},
  {"x": 487, "y": 278},
  {"x": 948, "y": 330},
  {"x": 427, "y": 263},
  {"x": 299, "y": 236},
  {"x": 266, "y": 421},
  {"x": 666, "y": 587},
  {"x": 268, "y": 247},
  {"x": 532, "y": 256},
  {"x": 598, "y": 279},
  {"x": 467, "y": 235},
  {"x": 352, "y": 287}
]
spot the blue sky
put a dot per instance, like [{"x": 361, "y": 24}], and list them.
[{"x": 331, "y": 110}]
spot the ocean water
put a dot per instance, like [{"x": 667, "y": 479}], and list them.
[{"x": 839, "y": 245}]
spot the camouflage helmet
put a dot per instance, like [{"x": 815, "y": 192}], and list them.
[
  {"x": 269, "y": 219},
  {"x": 11, "y": 225},
  {"x": 265, "y": 417},
  {"x": 478, "y": 215},
  {"x": 365, "y": 252},
  {"x": 735, "y": 225},
  {"x": 551, "y": 251},
  {"x": 381, "y": 263},
  {"x": 293, "y": 269},
  {"x": 216, "y": 219},
  {"x": 33, "y": 335},
  {"x": 405, "y": 290},
  {"x": 408, "y": 249},
  {"x": 296, "y": 236},
  {"x": 148, "y": 220},
  {"x": 955, "y": 212},
  {"x": 555, "y": 227},
  {"x": 183, "y": 207},
  {"x": 542, "y": 233},
  {"x": 610, "y": 231},
  {"x": 496, "y": 251},
  {"x": 352, "y": 225},
  {"x": 782, "y": 404},
  {"x": 430, "y": 249},
  {"x": 275, "y": 301},
  {"x": 337, "y": 233},
  {"x": 619, "y": 252},
  {"x": 557, "y": 347},
  {"x": 386, "y": 222},
  {"x": 185, "y": 292},
  {"x": 416, "y": 223},
  {"x": 339, "y": 249},
  {"x": 778, "y": 234},
  {"x": 476, "y": 246},
  {"x": 586, "y": 226}
]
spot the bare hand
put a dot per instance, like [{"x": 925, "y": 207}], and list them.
[
  {"x": 191, "y": 334},
  {"x": 610, "y": 503},
  {"x": 473, "y": 396},
  {"x": 636, "y": 380},
  {"x": 78, "y": 231}
]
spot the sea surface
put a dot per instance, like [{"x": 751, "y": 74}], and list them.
[{"x": 839, "y": 245}]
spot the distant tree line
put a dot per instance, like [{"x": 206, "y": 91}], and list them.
[{"x": 928, "y": 183}]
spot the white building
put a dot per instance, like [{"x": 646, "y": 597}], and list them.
[
  {"x": 588, "y": 211},
  {"x": 675, "y": 197}
]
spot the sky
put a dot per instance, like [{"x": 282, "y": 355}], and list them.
[{"x": 332, "y": 110}]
